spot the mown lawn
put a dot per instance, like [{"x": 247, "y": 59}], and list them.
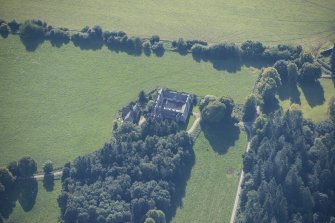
[
  {"x": 211, "y": 189},
  {"x": 45, "y": 208},
  {"x": 312, "y": 98},
  {"x": 304, "y": 22},
  {"x": 59, "y": 103}
]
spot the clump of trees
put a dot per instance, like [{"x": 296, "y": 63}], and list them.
[
  {"x": 33, "y": 29},
  {"x": 16, "y": 183},
  {"x": 267, "y": 85},
  {"x": 216, "y": 51},
  {"x": 332, "y": 60},
  {"x": 135, "y": 173},
  {"x": 216, "y": 110},
  {"x": 289, "y": 170},
  {"x": 184, "y": 46}
]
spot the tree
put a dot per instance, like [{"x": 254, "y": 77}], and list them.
[
  {"x": 4, "y": 30},
  {"x": 306, "y": 57},
  {"x": 6, "y": 178},
  {"x": 251, "y": 49},
  {"x": 292, "y": 73},
  {"x": 32, "y": 30},
  {"x": 48, "y": 167},
  {"x": 281, "y": 67},
  {"x": 331, "y": 108},
  {"x": 142, "y": 98},
  {"x": 268, "y": 83},
  {"x": 249, "y": 109},
  {"x": 157, "y": 215},
  {"x": 310, "y": 72},
  {"x": 214, "y": 112},
  {"x": 27, "y": 166}
]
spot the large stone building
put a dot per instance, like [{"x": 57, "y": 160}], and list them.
[{"x": 173, "y": 105}]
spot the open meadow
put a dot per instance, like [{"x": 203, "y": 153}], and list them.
[
  {"x": 210, "y": 191},
  {"x": 309, "y": 23},
  {"x": 59, "y": 103}
]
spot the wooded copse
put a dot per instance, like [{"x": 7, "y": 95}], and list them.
[
  {"x": 289, "y": 170},
  {"x": 140, "y": 170}
]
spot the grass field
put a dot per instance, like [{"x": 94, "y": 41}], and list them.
[
  {"x": 45, "y": 208},
  {"x": 211, "y": 189},
  {"x": 306, "y": 22},
  {"x": 58, "y": 103},
  {"x": 313, "y": 99}
]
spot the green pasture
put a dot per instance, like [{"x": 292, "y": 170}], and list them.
[
  {"x": 211, "y": 189},
  {"x": 310, "y": 23},
  {"x": 59, "y": 103},
  {"x": 45, "y": 207},
  {"x": 312, "y": 98}
]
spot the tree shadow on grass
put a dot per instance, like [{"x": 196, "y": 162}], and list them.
[
  {"x": 221, "y": 136},
  {"x": 32, "y": 44},
  {"x": 28, "y": 189},
  {"x": 180, "y": 188},
  {"x": 231, "y": 65},
  {"x": 130, "y": 51},
  {"x": 49, "y": 182},
  {"x": 88, "y": 44},
  {"x": 313, "y": 92},
  {"x": 289, "y": 92}
]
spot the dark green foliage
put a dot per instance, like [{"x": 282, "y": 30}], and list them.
[
  {"x": 14, "y": 26},
  {"x": 331, "y": 108},
  {"x": 48, "y": 167},
  {"x": 58, "y": 35},
  {"x": 249, "y": 109},
  {"x": 281, "y": 67},
  {"x": 306, "y": 57},
  {"x": 157, "y": 216},
  {"x": 289, "y": 171},
  {"x": 217, "y": 51},
  {"x": 292, "y": 73},
  {"x": 154, "y": 39},
  {"x": 282, "y": 52},
  {"x": 142, "y": 98},
  {"x": 26, "y": 166},
  {"x": 252, "y": 49},
  {"x": 137, "y": 172},
  {"x": 33, "y": 30},
  {"x": 332, "y": 60},
  {"x": 310, "y": 72},
  {"x": 184, "y": 46},
  {"x": 216, "y": 110},
  {"x": 4, "y": 30},
  {"x": 267, "y": 84}
]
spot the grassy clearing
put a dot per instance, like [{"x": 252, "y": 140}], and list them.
[
  {"x": 45, "y": 208},
  {"x": 58, "y": 103},
  {"x": 211, "y": 189},
  {"x": 313, "y": 99},
  {"x": 306, "y": 22}
]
